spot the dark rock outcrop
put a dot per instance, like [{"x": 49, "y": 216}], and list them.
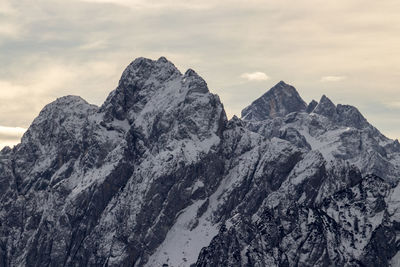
[{"x": 279, "y": 101}]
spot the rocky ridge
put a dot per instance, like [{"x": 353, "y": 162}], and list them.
[{"x": 158, "y": 176}]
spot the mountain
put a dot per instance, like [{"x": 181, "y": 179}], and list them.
[
  {"x": 280, "y": 100},
  {"x": 158, "y": 176}
]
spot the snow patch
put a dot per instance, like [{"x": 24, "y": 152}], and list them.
[
  {"x": 182, "y": 244},
  {"x": 395, "y": 261}
]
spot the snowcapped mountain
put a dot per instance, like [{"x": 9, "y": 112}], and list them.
[{"x": 158, "y": 176}]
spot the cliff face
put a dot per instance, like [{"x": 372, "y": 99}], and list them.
[{"x": 158, "y": 176}]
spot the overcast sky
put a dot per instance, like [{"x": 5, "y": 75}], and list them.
[{"x": 346, "y": 49}]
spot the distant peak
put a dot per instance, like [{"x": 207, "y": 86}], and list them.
[
  {"x": 282, "y": 84},
  {"x": 283, "y": 89},
  {"x": 235, "y": 122},
  {"x": 311, "y": 106},
  {"x": 325, "y": 107},
  {"x": 325, "y": 101},
  {"x": 194, "y": 82},
  {"x": 190, "y": 72},
  {"x": 325, "y": 98},
  {"x": 344, "y": 115},
  {"x": 163, "y": 60},
  {"x": 279, "y": 101}
]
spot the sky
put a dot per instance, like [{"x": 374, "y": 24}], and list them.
[{"x": 346, "y": 49}]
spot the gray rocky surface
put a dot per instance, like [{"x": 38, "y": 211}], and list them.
[{"x": 158, "y": 176}]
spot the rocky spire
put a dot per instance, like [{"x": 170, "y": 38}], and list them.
[
  {"x": 311, "y": 106},
  {"x": 280, "y": 100},
  {"x": 345, "y": 115},
  {"x": 326, "y": 107},
  {"x": 194, "y": 82},
  {"x": 143, "y": 70}
]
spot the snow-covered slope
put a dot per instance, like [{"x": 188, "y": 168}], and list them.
[
  {"x": 157, "y": 176},
  {"x": 340, "y": 133}
]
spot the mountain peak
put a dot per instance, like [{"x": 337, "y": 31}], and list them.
[
  {"x": 151, "y": 94},
  {"x": 65, "y": 105},
  {"x": 159, "y": 177},
  {"x": 282, "y": 86},
  {"x": 141, "y": 78},
  {"x": 163, "y": 60},
  {"x": 345, "y": 115},
  {"x": 281, "y": 83},
  {"x": 194, "y": 82},
  {"x": 190, "y": 73},
  {"x": 311, "y": 106},
  {"x": 280, "y": 100},
  {"x": 325, "y": 107},
  {"x": 59, "y": 120},
  {"x": 144, "y": 69}
]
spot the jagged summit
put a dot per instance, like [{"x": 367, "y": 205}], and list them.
[
  {"x": 59, "y": 118},
  {"x": 311, "y": 106},
  {"x": 194, "y": 82},
  {"x": 344, "y": 115},
  {"x": 158, "y": 177},
  {"x": 143, "y": 70},
  {"x": 283, "y": 99},
  {"x": 69, "y": 102},
  {"x": 146, "y": 80},
  {"x": 280, "y": 100},
  {"x": 325, "y": 107}
]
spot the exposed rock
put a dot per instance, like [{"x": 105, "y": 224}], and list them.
[
  {"x": 157, "y": 176},
  {"x": 279, "y": 101},
  {"x": 311, "y": 106}
]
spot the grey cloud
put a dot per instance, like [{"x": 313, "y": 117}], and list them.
[
  {"x": 332, "y": 78},
  {"x": 6, "y": 138},
  {"x": 10, "y": 135}
]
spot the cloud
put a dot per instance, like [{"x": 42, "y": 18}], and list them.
[
  {"x": 255, "y": 76},
  {"x": 94, "y": 45},
  {"x": 9, "y": 30},
  {"x": 25, "y": 94},
  {"x": 395, "y": 104},
  {"x": 6, "y": 8},
  {"x": 332, "y": 78},
  {"x": 11, "y": 132},
  {"x": 10, "y": 136},
  {"x": 151, "y": 4}
]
